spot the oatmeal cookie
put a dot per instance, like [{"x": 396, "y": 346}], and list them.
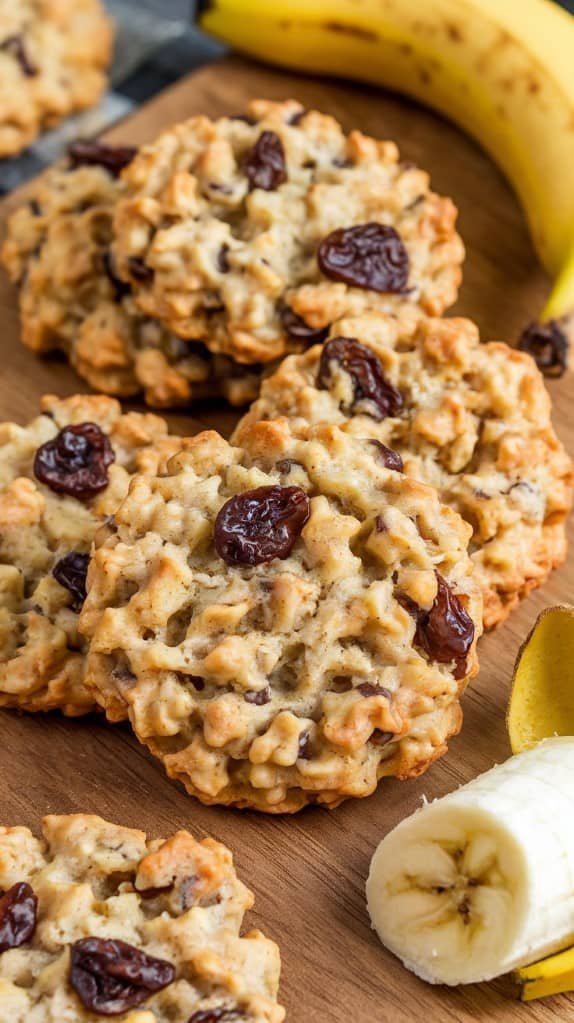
[
  {"x": 53, "y": 59},
  {"x": 285, "y": 623},
  {"x": 57, "y": 251},
  {"x": 471, "y": 419},
  {"x": 254, "y": 233},
  {"x": 97, "y": 920},
  {"x": 60, "y": 476}
]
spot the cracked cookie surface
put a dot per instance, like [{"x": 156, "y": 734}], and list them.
[
  {"x": 87, "y": 889},
  {"x": 254, "y": 233},
  {"x": 46, "y": 537},
  {"x": 284, "y": 623},
  {"x": 57, "y": 251},
  {"x": 471, "y": 419},
  {"x": 53, "y": 59}
]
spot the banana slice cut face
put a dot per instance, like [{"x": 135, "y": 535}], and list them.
[{"x": 482, "y": 881}]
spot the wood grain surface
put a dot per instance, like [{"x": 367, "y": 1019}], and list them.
[{"x": 308, "y": 871}]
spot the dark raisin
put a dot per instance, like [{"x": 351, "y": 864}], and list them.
[
  {"x": 369, "y": 689},
  {"x": 260, "y": 525},
  {"x": 217, "y": 1015},
  {"x": 304, "y": 749},
  {"x": 70, "y": 571},
  {"x": 390, "y": 459},
  {"x": 547, "y": 343},
  {"x": 14, "y": 45},
  {"x": 373, "y": 394},
  {"x": 110, "y": 976},
  {"x": 139, "y": 270},
  {"x": 380, "y": 525},
  {"x": 18, "y": 912},
  {"x": 120, "y": 287},
  {"x": 380, "y": 738},
  {"x": 366, "y": 256},
  {"x": 341, "y": 684},
  {"x": 298, "y": 330},
  {"x": 84, "y": 153},
  {"x": 223, "y": 260},
  {"x": 258, "y": 696},
  {"x": 76, "y": 461},
  {"x": 264, "y": 164},
  {"x": 446, "y": 631}
]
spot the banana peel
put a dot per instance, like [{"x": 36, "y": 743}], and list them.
[
  {"x": 552, "y": 976},
  {"x": 542, "y": 698}
]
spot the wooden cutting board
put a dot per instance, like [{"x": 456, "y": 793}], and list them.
[{"x": 308, "y": 871}]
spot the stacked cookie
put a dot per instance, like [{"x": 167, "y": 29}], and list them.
[{"x": 287, "y": 617}]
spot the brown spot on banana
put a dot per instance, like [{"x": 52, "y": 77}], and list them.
[{"x": 357, "y": 31}]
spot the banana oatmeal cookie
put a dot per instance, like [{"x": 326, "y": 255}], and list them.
[
  {"x": 253, "y": 233},
  {"x": 57, "y": 251},
  {"x": 98, "y": 921},
  {"x": 286, "y": 623},
  {"x": 471, "y": 419},
  {"x": 53, "y": 59},
  {"x": 60, "y": 476}
]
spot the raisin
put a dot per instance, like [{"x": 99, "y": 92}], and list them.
[
  {"x": 258, "y": 696},
  {"x": 217, "y": 1015},
  {"x": 366, "y": 256},
  {"x": 380, "y": 525},
  {"x": 139, "y": 270},
  {"x": 14, "y": 45},
  {"x": 113, "y": 159},
  {"x": 223, "y": 259},
  {"x": 548, "y": 344},
  {"x": 298, "y": 330},
  {"x": 120, "y": 287},
  {"x": 390, "y": 459},
  {"x": 110, "y": 976},
  {"x": 70, "y": 571},
  {"x": 264, "y": 164},
  {"x": 380, "y": 738},
  {"x": 76, "y": 461},
  {"x": 260, "y": 525},
  {"x": 369, "y": 689},
  {"x": 373, "y": 394},
  {"x": 18, "y": 913},
  {"x": 304, "y": 751},
  {"x": 446, "y": 631}
]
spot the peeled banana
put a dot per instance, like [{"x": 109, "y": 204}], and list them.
[
  {"x": 501, "y": 69},
  {"x": 481, "y": 882}
]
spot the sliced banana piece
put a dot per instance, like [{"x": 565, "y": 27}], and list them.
[{"x": 481, "y": 882}]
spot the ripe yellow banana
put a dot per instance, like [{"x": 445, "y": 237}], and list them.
[
  {"x": 501, "y": 69},
  {"x": 552, "y": 976}
]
